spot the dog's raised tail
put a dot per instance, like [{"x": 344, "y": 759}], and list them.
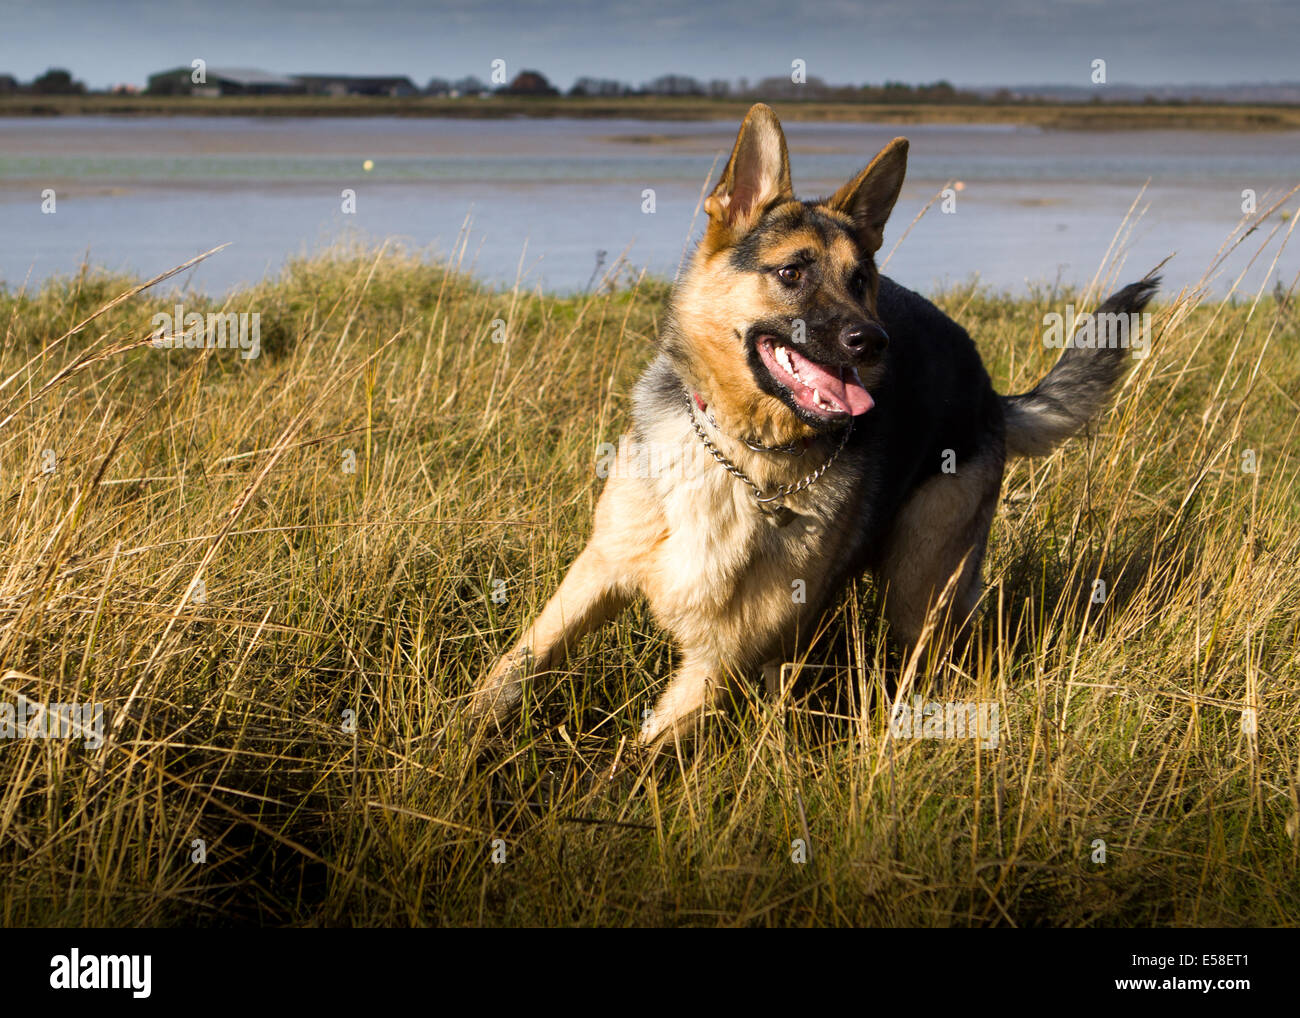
[{"x": 1081, "y": 383}]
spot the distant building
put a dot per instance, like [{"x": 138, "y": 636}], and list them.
[
  {"x": 530, "y": 83},
  {"x": 352, "y": 84},
  {"x": 221, "y": 81}
]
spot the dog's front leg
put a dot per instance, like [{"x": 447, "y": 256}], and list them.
[
  {"x": 691, "y": 691},
  {"x": 587, "y": 597}
]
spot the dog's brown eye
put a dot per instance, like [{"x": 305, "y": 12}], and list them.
[{"x": 790, "y": 274}]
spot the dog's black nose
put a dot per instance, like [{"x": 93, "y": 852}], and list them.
[{"x": 864, "y": 339}]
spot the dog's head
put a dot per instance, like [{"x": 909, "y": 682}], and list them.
[{"x": 775, "y": 319}]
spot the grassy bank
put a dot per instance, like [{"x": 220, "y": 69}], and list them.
[
  {"x": 1056, "y": 116},
  {"x": 277, "y": 576}
]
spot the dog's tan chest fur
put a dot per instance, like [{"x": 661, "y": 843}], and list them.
[{"x": 719, "y": 575}]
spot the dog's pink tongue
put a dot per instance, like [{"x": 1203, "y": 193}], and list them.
[
  {"x": 854, "y": 393},
  {"x": 844, "y": 387}
]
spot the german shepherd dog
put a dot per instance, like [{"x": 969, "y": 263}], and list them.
[{"x": 809, "y": 419}]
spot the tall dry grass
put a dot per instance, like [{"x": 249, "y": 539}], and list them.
[{"x": 201, "y": 560}]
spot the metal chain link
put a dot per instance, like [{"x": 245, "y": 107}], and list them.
[
  {"x": 735, "y": 471},
  {"x": 793, "y": 449}
]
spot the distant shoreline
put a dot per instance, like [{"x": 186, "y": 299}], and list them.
[{"x": 1049, "y": 116}]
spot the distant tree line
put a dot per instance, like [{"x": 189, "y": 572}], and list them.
[
  {"x": 58, "y": 81},
  {"x": 777, "y": 87},
  {"x": 55, "y": 81}
]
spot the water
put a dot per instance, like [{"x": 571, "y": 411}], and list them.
[{"x": 543, "y": 197}]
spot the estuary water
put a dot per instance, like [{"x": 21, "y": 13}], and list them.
[{"x": 555, "y": 204}]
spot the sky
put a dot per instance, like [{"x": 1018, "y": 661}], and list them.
[{"x": 967, "y": 42}]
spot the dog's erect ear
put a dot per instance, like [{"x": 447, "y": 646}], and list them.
[
  {"x": 757, "y": 174},
  {"x": 869, "y": 197}
]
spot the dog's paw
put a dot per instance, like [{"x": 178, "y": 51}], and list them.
[
  {"x": 661, "y": 728},
  {"x": 492, "y": 703},
  {"x": 496, "y": 696}
]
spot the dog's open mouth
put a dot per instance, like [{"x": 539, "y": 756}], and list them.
[{"x": 828, "y": 392}]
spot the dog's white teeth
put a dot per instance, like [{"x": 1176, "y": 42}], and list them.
[
  {"x": 817, "y": 399},
  {"x": 783, "y": 358}
]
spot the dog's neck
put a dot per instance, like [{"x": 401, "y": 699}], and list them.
[
  {"x": 775, "y": 476},
  {"x": 795, "y": 448}
]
